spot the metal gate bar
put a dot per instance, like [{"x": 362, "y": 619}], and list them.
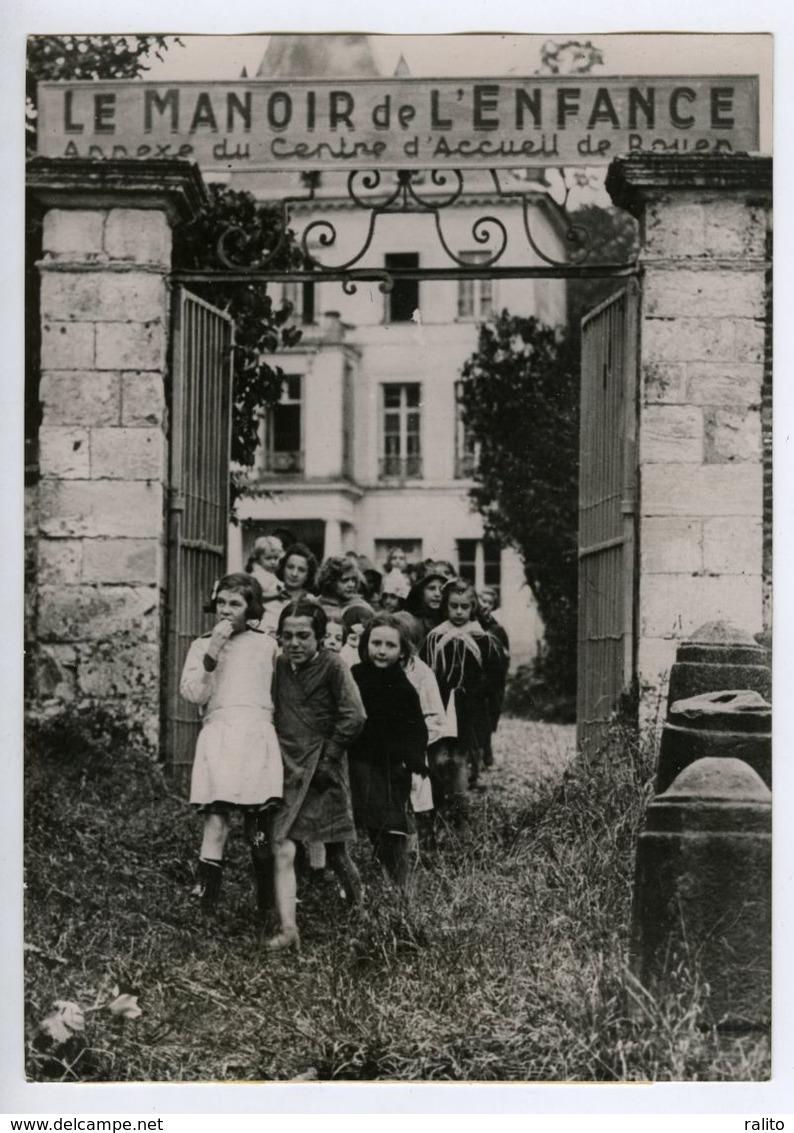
[
  {"x": 201, "y": 401},
  {"x": 607, "y": 492}
]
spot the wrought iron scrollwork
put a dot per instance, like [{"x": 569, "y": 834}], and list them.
[
  {"x": 576, "y": 236},
  {"x": 369, "y": 191}
]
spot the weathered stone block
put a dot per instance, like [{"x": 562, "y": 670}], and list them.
[
  {"x": 108, "y": 296},
  {"x": 664, "y": 383},
  {"x": 128, "y": 454},
  {"x": 670, "y": 434},
  {"x": 655, "y": 659},
  {"x": 59, "y": 562},
  {"x": 692, "y": 678},
  {"x": 92, "y": 613},
  {"x": 130, "y": 346},
  {"x": 673, "y": 605},
  {"x": 73, "y": 233},
  {"x": 64, "y": 452},
  {"x": 702, "y": 340},
  {"x": 688, "y": 340},
  {"x": 670, "y": 545},
  {"x": 674, "y": 227},
  {"x": 734, "y": 384},
  {"x": 703, "y": 889},
  {"x": 80, "y": 398},
  {"x": 31, "y": 509},
  {"x": 94, "y": 508},
  {"x": 735, "y": 229},
  {"x": 140, "y": 235},
  {"x": 56, "y": 672},
  {"x": 122, "y": 560},
  {"x": 70, "y": 296},
  {"x": 702, "y": 490},
  {"x": 67, "y": 346},
  {"x": 697, "y": 226},
  {"x": 683, "y": 292},
  {"x": 119, "y": 668},
  {"x": 142, "y": 399},
  {"x": 731, "y": 722},
  {"x": 749, "y": 340},
  {"x": 732, "y": 545},
  {"x": 732, "y": 436}
]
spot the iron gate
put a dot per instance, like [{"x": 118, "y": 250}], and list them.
[
  {"x": 607, "y": 507},
  {"x": 198, "y": 508}
]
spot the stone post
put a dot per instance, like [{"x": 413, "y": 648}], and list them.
[
  {"x": 103, "y": 441},
  {"x": 702, "y": 893},
  {"x": 704, "y": 258}
]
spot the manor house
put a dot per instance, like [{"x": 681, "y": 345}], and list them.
[{"x": 367, "y": 448}]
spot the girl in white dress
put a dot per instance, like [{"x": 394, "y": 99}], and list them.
[{"x": 237, "y": 765}]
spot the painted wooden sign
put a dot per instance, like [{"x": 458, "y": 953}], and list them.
[{"x": 466, "y": 123}]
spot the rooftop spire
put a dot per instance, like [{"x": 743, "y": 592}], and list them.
[{"x": 318, "y": 56}]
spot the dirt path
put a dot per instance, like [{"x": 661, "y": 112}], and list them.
[{"x": 529, "y": 757}]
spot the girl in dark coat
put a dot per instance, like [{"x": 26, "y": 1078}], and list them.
[
  {"x": 391, "y": 745},
  {"x": 468, "y": 664},
  {"x": 318, "y": 712}
]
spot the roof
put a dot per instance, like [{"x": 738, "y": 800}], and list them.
[{"x": 318, "y": 57}]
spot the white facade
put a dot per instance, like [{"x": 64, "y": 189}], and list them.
[
  {"x": 367, "y": 449},
  {"x": 382, "y": 457}
]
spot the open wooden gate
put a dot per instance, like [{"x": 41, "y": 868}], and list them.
[
  {"x": 198, "y": 513},
  {"x": 607, "y": 512}
]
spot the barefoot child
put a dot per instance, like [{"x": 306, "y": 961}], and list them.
[
  {"x": 318, "y": 712},
  {"x": 237, "y": 766},
  {"x": 391, "y": 745}
]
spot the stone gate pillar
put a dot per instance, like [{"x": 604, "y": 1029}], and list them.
[
  {"x": 103, "y": 438},
  {"x": 705, "y": 384}
]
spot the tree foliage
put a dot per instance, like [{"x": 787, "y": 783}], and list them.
[
  {"x": 261, "y": 326},
  {"x": 520, "y": 400},
  {"x": 614, "y": 237},
  {"x": 86, "y": 57}
]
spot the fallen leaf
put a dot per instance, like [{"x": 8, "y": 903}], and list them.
[
  {"x": 71, "y": 1013},
  {"x": 65, "y": 1021},
  {"x": 126, "y": 1006},
  {"x": 309, "y": 1075}
]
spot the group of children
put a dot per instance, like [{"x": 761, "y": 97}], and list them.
[{"x": 325, "y": 714}]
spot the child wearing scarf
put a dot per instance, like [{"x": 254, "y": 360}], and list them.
[{"x": 468, "y": 664}]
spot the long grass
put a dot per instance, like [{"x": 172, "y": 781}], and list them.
[{"x": 504, "y": 962}]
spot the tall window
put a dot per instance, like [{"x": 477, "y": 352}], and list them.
[
  {"x": 401, "y": 454},
  {"x": 301, "y": 296},
  {"x": 480, "y": 562},
  {"x": 465, "y": 446},
  {"x": 284, "y": 428},
  {"x": 403, "y": 299},
  {"x": 475, "y": 296}
]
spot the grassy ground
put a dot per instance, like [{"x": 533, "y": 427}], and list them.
[{"x": 504, "y": 962}]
